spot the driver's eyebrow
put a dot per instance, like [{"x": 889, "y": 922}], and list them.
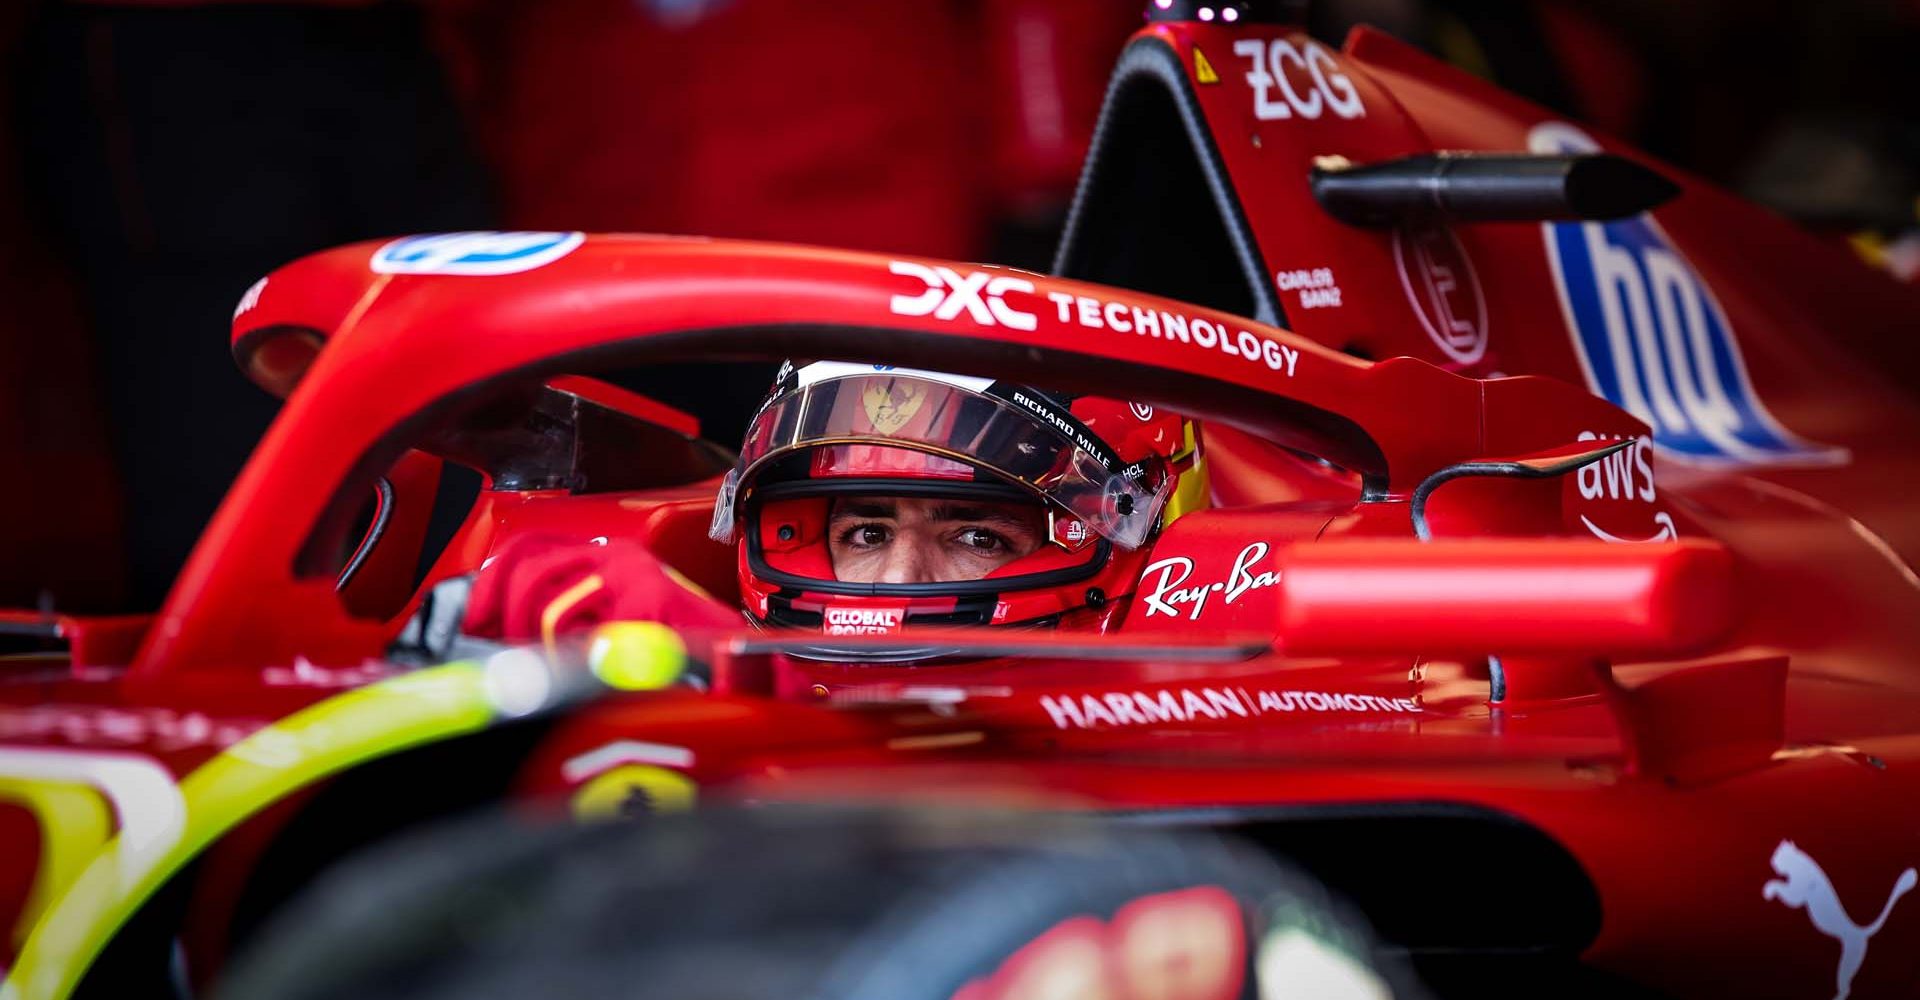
[
  {"x": 977, "y": 513},
  {"x": 879, "y": 509}
]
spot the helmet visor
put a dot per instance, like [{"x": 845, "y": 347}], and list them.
[{"x": 1008, "y": 431}]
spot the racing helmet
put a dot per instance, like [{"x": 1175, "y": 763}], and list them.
[{"x": 1107, "y": 475}]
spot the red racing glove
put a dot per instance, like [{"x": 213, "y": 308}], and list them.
[{"x": 545, "y": 588}]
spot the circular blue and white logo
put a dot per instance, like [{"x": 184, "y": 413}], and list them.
[
  {"x": 477, "y": 253},
  {"x": 1653, "y": 340}
]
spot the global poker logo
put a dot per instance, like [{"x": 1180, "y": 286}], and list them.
[
  {"x": 1654, "y": 341},
  {"x": 862, "y": 621}
]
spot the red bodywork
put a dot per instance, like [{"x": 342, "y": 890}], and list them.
[{"x": 1673, "y": 712}]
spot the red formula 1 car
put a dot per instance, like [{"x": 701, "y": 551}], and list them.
[{"x": 1545, "y": 625}]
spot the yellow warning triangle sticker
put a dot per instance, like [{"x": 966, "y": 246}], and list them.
[{"x": 1202, "y": 69}]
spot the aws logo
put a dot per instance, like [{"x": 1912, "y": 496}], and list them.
[
  {"x": 1654, "y": 341},
  {"x": 1625, "y": 475}
]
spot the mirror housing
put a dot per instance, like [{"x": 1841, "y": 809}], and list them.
[{"x": 1504, "y": 597}]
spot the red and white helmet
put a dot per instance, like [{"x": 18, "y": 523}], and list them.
[{"x": 1108, "y": 473}]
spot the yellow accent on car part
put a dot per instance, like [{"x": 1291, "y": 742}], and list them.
[
  {"x": 1194, "y": 491},
  {"x": 685, "y": 582},
  {"x": 1189, "y": 444},
  {"x": 636, "y": 656},
  {"x": 1203, "y": 71},
  {"x": 558, "y": 607},
  {"x": 609, "y": 794},
  {"x": 74, "y": 823},
  {"x": 1871, "y": 246},
  {"x": 316, "y": 742}
]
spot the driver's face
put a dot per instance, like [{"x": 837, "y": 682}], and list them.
[{"x": 903, "y": 540}]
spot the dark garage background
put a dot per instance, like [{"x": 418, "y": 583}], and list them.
[{"x": 160, "y": 156}]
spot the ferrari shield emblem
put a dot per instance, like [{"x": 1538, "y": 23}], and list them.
[{"x": 891, "y": 403}]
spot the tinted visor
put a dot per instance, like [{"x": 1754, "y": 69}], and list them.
[{"x": 1010, "y": 431}]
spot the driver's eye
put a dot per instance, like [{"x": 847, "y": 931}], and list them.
[
  {"x": 867, "y": 535},
  {"x": 982, "y": 541}
]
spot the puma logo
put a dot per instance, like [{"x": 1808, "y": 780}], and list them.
[{"x": 1804, "y": 884}]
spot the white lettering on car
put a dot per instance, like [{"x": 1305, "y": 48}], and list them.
[
  {"x": 1324, "y": 88},
  {"x": 163, "y": 730},
  {"x": 1317, "y": 288},
  {"x": 1096, "y": 314},
  {"x": 1169, "y": 592},
  {"x": 949, "y": 293},
  {"x": 979, "y": 295},
  {"x": 1113, "y": 709},
  {"x": 1625, "y": 475}
]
